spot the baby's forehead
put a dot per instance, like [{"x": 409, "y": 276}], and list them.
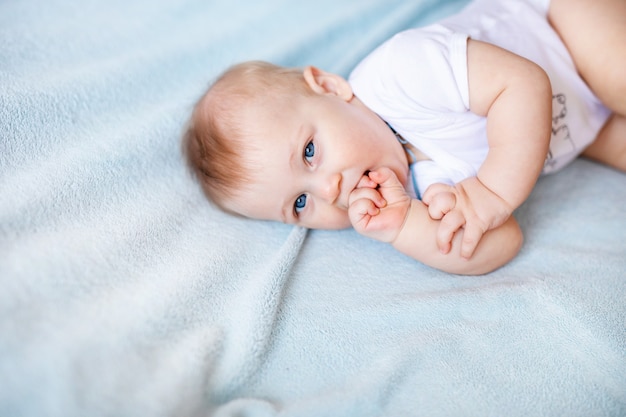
[{"x": 270, "y": 121}]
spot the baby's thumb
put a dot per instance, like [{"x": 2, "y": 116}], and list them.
[
  {"x": 433, "y": 190},
  {"x": 440, "y": 204},
  {"x": 383, "y": 176}
]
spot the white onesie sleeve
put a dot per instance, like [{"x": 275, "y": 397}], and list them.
[{"x": 424, "y": 70}]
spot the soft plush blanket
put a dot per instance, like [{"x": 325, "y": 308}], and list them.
[{"x": 123, "y": 292}]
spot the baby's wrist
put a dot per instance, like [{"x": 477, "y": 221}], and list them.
[
  {"x": 403, "y": 226},
  {"x": 502, "y": 206},
  {"x": 505, "y": 204}
]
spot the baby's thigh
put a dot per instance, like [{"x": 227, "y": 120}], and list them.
[
  {"x": 594, "y": 32},
  {"x": 610, "y": 146}
]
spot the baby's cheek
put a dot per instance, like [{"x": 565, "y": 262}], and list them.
[
  {"x": 332, "y": 219},
  {"x": 342, "y": 221}
]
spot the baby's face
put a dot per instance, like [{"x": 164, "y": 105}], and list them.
[{"x": 308, "y": 158}]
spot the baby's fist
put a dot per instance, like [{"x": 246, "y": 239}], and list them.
[{"x": 379, "y": 212}]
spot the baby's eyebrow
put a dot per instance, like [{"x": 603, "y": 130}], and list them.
[
  {"x": 293, "y": 159},
  {"x": 283, "y": 213},
  {"x": 294, "y": 145},
  {"x": 287, "y": 214}
]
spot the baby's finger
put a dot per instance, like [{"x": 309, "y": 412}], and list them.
[
  {"x": 361, "y": 212},
  {"x": 368, "y": 194},
  {"x": 471, "y": 236},
  {"x": 384, "y": 176},
  {"x": 450, "y": 224},
  {"x": 433, "y": 190},
  {"x": 441, "y": 204},
  {"x": 366, "y": 182},
  {"x": 364, "y": 206}
]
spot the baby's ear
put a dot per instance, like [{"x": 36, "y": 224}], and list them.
[{"x": 322, "y": 82}]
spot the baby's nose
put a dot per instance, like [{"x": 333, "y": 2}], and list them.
[{"x": 330, "y": 188}]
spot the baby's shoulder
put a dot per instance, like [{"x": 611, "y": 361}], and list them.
[
  {"x": 416, "y": 50},
  {"x": 419, "y": 67},
  {"x": 424, "y": 42}
]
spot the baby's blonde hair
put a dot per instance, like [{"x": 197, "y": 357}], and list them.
[{"x": 215, "y": 132}]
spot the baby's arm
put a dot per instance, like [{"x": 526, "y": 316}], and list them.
[
  {"x": 388, "y": 214},
  {"x": 516, "y": 97}
]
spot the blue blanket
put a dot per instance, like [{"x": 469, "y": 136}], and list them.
[{"x": 123, "y": 292}]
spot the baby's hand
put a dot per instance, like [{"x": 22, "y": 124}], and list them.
[
  {"x": 475, "y": 208},
  {"x": 439, "y": 200},
  {"x": 379, "y": 205}
]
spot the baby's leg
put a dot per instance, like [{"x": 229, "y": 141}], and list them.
[
  {"x": 610, "y": 144},
  {"x": 594, "y": 32}
]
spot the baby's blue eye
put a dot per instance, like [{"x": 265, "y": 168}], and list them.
[
  {"x": 300, "y": 203},
  {"x": 309, "y": 150}
]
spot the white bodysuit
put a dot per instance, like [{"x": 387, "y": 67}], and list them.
[{"x": 417, "y": 82}]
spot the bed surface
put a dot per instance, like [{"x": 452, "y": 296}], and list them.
[{"x": 123, "y": 292}]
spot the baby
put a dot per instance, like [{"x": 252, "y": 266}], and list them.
[{"x": 436, "y": 138}]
